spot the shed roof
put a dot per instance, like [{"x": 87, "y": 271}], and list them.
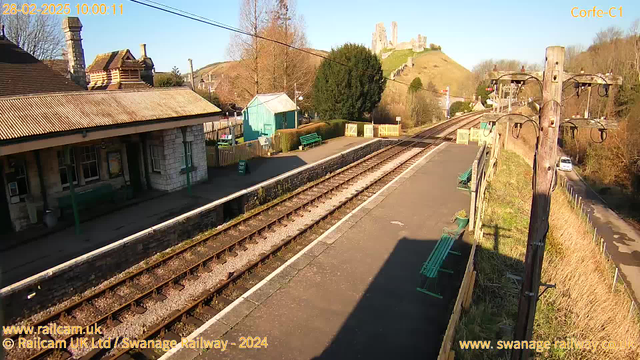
[
  {"x": 22, "y": 73},
  {"x": 276, "y": 102},
  {"x": 32, "y": 115}
]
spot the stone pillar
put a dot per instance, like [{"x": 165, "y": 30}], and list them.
[
  {"x": 75, "y": 54},
  {"x": 394, "y": 34}
]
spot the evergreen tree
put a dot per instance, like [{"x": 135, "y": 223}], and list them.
[{"x": 347, "y": 92}]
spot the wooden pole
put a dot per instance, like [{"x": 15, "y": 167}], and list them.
[{"x": 544, "y": 168}]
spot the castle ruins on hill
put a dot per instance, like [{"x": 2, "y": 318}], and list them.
[{"x": 380, "y": 42}]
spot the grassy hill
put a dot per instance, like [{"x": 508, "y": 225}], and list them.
[
  {"x": 396, "y": 59},
  {"x": 430, "y": 65},
  {"x": 230, "y": 68}
]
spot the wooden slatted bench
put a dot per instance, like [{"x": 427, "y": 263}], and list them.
[
  {"x": 310, "y": 139},
  {"x": 433, "y": 265},
  {"x": 464, "y": 179}
]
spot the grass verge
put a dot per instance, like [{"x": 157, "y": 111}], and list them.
[{"x": 582, "y": 307}]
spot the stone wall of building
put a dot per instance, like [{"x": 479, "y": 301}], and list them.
[
  {"x": 172, "y": 175},
  {"x": 54, "y": 286}
]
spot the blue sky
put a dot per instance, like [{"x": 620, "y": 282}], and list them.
[{"x": 469, "y": 32}]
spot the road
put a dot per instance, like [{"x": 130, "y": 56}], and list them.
[{"x": 622, "y": 239}]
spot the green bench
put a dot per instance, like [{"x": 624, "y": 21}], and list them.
[
  {"x": 86, "y": 198},
  {"x": 310, "y": 139},
  {"x": 464, "y": 179},
  {"x": 461, "y": 222},
  {"x": 433, "y": 265}
]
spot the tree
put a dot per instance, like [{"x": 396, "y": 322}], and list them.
[
  {"x": 482, "y": 91},
  {"x": 168, "y": 79},
  {"x": 39, "y": 35},
  {"x": 416, "y": 84},
  {"x": 177, "y": 77},
  {"x": 248, "y": 49},
  {"x": 459, "y": 106},
  {"x": 347, "y": 92}
]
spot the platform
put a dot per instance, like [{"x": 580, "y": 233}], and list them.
[
  {"x": 32, "y": 257},
  {"x": 352, "y": 293}
]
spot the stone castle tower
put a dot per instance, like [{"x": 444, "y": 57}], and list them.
[
  {"x": 379, "y": 40},
  {"x": 75, "y": 54},
  {"x": 394, "y": 34}
]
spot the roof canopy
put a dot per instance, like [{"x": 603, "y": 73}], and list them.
[
  {"x": 21, "y": 73},
  {"x": 276, "y": 102},
  {"x": 32, "y": 115}
]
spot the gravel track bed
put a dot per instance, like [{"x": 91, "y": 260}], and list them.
[
  {"x": 134, "y": 324},
  {"x": 138, "y": 324}
]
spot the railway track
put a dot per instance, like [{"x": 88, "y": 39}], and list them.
[{"x": 172, "y": 296}]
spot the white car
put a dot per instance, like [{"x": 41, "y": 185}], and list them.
[{"x": 565, "y": 164}]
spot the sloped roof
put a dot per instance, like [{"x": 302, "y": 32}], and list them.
[
  {"x": 32, "y": 115},
  {"x": 276, "y": 102},
  {"x": 21, "y": 73},
  {"x": 115, "y": 60}
]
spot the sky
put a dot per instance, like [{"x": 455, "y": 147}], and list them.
[{"x": 468, "y": 31}]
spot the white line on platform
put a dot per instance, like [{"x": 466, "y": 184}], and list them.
[{"x": 264, "y": 281}]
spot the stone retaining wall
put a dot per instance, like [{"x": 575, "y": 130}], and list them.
[{"x": 80, "y": 274}]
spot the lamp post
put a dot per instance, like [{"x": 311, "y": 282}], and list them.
[{"x": 295, "y": 98}]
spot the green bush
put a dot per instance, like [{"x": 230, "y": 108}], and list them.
[
  {"x": 459, "y": 106},
  {"x": 289, "y": 139}
]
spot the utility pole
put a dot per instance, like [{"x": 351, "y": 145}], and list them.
[
  {"x": 448, "y": 113},
  {"x": 544, "y": 176},
  {"x": 586, "y": 111},
  {"x": 295, "y": 96},
  {"x": 192, "y": 83}
]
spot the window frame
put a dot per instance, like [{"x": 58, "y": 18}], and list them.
[
  {"x": 72, "y": 156},
  {"x": 93, "y": 151},
  {"x": 156, "y": 160},
  {"x": 189, "y": 153}
]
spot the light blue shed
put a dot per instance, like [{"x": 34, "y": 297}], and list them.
[{"x": 267, "y": 113}]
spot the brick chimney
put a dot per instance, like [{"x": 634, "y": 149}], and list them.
[
  {"x": 147, "y": 73},
  {"x": 75, "y": 54}
]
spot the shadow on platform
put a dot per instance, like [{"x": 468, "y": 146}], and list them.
[{"x": 393, "y": 319}]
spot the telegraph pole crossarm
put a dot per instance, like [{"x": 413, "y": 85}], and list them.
[{"x": 601, "y": 79}]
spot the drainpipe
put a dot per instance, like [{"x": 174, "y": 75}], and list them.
[
  {"x": 67, "y": 160},
  {"x": 43, "y": 188},
  {"x": 186, "y": 160}
]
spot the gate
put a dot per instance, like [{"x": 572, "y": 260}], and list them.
[
  {"x": 351, "y": 130},
  {"x": 368, "y": 131},
  {"x": 388, "y": 130}
]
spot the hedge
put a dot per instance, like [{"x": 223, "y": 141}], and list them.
[{"x": 289, "y": 139}]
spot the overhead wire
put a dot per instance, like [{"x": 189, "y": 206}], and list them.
[{"x": 187, "y": 15}]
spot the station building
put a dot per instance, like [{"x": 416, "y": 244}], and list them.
[{"x": 57, "y": 138}]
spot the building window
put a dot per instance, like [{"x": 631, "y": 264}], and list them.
[
  {"x": 17, "y": 181},
  {"x": 189, "y": 155},
  {"x": 89, "y": 163},
  {"x": 156, "y": 158},
  {"x": 64, "y": 176}
]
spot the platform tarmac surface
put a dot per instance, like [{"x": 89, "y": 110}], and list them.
[
  {"x": 352, "y": 293},
  {"x": 30, "y": 258}
]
